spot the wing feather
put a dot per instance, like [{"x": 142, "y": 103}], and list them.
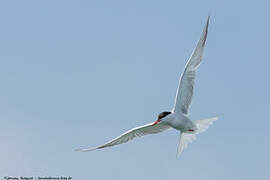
[
  {"x": 131, "y": 134},
  {"x": 187, "y": 79}
]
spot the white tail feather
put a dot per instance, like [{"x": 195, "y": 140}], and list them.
[
  {"x": 203, "y": 125},
  {"x": 187, "y": 138}
]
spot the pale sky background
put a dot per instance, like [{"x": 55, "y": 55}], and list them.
[{"x": 78, "y": 73}]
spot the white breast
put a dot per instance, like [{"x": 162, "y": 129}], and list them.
[{"x": 179, "y": 121}]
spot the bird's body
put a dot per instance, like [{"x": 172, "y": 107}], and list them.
[
  {"x": 180, "y": 122},
  {"x": 178, "y": 117}
]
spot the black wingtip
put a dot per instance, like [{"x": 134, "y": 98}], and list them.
[{"x": 206, "y": 31}]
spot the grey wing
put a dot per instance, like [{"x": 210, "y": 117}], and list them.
[
  {"x": 187, "y": 79},
  {"x": 131, "y": 134}
]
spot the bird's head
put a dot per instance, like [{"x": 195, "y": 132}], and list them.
[{"x": 161, "y": 116}]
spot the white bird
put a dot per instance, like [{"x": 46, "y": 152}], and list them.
[{"x": 178, "y": 117}]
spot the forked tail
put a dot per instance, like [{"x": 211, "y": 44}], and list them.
[
  {"x": 203, "y": 125},
  {"x": 186, "y": 138}
]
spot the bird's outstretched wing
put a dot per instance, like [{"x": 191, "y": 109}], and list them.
[
  {"x": 186, "y": 84},
  {"x": 129, "y": 135}
]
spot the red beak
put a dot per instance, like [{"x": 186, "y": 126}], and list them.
[{"x": 157, "y": 121}]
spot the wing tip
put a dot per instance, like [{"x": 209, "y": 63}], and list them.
[
  {"x": 208, "y": 18},
  {"x": 85, "y": 149},
  {"x": 206, "y": 31}
]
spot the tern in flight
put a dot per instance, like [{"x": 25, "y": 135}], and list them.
[{"x": 178, "y": 117}]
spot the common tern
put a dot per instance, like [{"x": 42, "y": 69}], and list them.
[{"x": 178, "y": 117}]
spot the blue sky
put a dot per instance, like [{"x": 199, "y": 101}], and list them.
[{"x": 78, "y": 73}]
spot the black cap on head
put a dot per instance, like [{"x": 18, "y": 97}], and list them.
[{"x": 163, "y": 114}]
